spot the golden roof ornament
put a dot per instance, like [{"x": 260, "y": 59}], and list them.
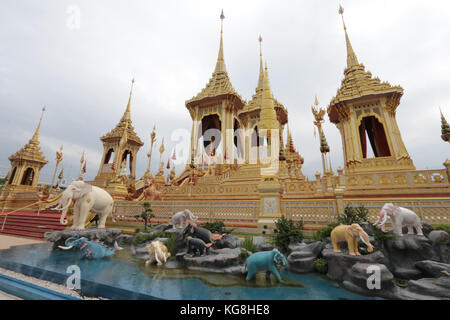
[
  {"x": 352, "y": 60},
  {"x": 31, "y": 151},
  {"x": 445, "y": 128},
  {"x": 219, "y": 85},
  {"x": 125, "y": 124},
  {"x": 358, "y": 82},
  {"x": 268, "y": 117}
]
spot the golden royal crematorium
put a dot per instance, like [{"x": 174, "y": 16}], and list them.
[{"x": 242, "y": 171}]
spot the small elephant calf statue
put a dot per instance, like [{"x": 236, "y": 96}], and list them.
[
  {"x": 196, "y": 245},
  {"x": 265, "y": 261},
  {"x": 349, "y": 233},
  {"x": 158, "y": 252},
  {"x": 400, "y": 217},
  {"x": 89, "y": 249}
]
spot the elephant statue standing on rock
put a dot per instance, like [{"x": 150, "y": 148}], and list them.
[
  {"x": 349, "y": 233},
  {"x": 87, "y": 198},
  {"x": 181, "y": 218},
  {"x": 265, "y": 261},
  {"x": 89, "y": 249},
  {"x": 400, "y": 217}
]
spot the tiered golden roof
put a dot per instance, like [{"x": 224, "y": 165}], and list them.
[
  {"x": 256, "y": 102},
  {"x": 31, "y": 151},
  {"x": 357, "y": 82},
  {"x": 124, "y": 124},
  {"x": 219, "y": 86}
]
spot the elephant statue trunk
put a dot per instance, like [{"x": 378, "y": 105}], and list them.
[
  {"x": 64, "y": 204},
  {"x": 382, "y": 220}
]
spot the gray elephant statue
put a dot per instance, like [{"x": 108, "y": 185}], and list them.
[{"x": 196, "y": 245}]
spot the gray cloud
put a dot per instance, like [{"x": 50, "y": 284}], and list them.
[{"x": 83, "y": 75}]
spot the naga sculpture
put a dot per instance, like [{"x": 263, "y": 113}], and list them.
[
  {"x": 151, "y": 193},
  {"x": 89, "y": 249},
  {"x": 181, "y": 218},
  {"x": 400, "y": 217},
  {"x": 158, "y": 252},
  {"x": 265, "y": 261},
  {"x": 349, "y": 233},
  {"x": 87, "y": 198}
]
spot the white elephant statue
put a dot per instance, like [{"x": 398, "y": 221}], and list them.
[
  {"x": 87, "y": 198},
  {"x": 182, "y": 217},
  {"x": 400, "y": 217},
  {"x": 158, "y": 252}
]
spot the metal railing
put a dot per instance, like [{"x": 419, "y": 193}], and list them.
[{"x": 205, "y": 210}]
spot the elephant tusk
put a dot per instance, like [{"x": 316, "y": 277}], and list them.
[
  {"x": 364, "y": 241},
  {"x": 65, "y": 248},
  {"x": 116, "y": 246}
]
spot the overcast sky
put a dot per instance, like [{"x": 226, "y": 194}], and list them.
[{"x": 82, "y": 72}]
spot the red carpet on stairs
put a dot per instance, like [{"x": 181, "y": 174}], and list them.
[{"x": 29, "y": 224}]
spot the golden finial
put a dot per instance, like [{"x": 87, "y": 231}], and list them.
[
  {"x": 36, "y": 133},
  {"x": 261, "y": 70},
  {"x": 220, "y": 65},
  {"x": 316, "y": 101},
  {"x": 131, "y": 92},
  {"x": 351, "y": 56}
]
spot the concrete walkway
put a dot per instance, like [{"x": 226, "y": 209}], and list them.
[
  {"x": 5, "y": 296},
  {"x": 7, "y": 241}
]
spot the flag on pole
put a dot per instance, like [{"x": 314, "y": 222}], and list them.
[
  {"x": 161, "y": 148},
  {"x": 174, "y": 154},
  {"x": 82, "y": 158}
]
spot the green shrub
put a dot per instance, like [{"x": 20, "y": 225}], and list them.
[
  {"x": 217, "y": 227},
  {"x": 353, "y": 215},
  {"x": 321, "y": 265},
  {"x": 380, "y": 235},
  {"x": 319, "y": 235},
  {"x": 170, "y": 244},
  {"x": 243, "y": 255},
  {"x": 442, "y": 226},
  {"x": 137, "y": 230},
  {"x": 142, "y": 237},
  {"x": 400, "y": 282},
  {"x": 286, "y": 231},
  {"x": 248, "y": 244}
]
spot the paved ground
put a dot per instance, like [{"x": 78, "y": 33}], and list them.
[
  {"x": 5, "y": 296},
  {"x": 7, "y": 241}
]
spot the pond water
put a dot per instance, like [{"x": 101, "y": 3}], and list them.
[{"x": 125, "y": 277}]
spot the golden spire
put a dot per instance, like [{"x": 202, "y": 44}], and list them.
[
  {"x": 220, "y": 65},
  {"x": 36, "y": 133},
  {"x": 127, "y": 114},
  {"x": 352, "y": 60},
  {"x": 261, "y": 70},
  {"x": 268, "y": 116}
]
